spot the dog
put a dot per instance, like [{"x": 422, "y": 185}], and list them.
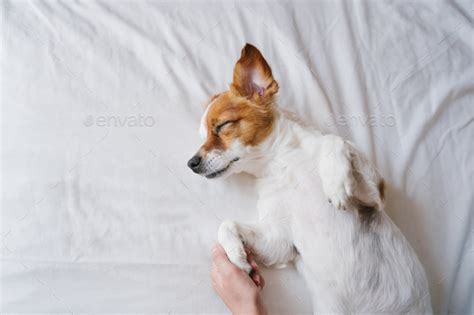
[{"x": 321, "y": 201}]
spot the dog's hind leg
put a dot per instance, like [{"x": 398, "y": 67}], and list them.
[{"x": 268, "y": 242}]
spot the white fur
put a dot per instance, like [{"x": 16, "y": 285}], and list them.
[
  {"x": 203, "y": 125},
  {"x": 335, "y": 167},
  {"x": 350, "y": 267}
]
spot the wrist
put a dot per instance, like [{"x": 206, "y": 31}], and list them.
[
  {"x": 255, "y": 308},
  {"x": 261, "y": 309}
]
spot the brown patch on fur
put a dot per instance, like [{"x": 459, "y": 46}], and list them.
[
  {"x": 247, "y": 108},
  {"x": 381, "y": 187},
  {"x": 248, "y": 122},
  {"x": 367, "y": 212}
]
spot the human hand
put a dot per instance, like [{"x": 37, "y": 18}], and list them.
[{"x": 239, "y": 291}]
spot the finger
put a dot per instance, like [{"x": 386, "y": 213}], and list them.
[
  {"x": 252, "y": 261},
  {"x": 262, "y": 282},
  {"x": 220, "y": 259},
  {"x": 214, "y": 271},
  {"x": 254, "y": 265},
  {"x": 253, "y": 275},
  {"x": 214, "y": 284},
  {"x": 218, "y": 254},
  {"x": 215, "y": 277},
  {"x": 250, "y": 257},
  {"x": 256, "y": 279}
]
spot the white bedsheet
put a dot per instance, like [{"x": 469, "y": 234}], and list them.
[{"x": 101, "y": 103}]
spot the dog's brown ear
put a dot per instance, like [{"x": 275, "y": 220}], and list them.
[{"x": 253, "y": 76}]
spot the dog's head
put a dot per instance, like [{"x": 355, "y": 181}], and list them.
[{"x": 237, "y": 121}]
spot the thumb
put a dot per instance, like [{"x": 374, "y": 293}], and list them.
[{"x": 220, "y": 259}]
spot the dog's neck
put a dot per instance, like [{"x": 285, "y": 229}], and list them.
[{"x": 286, "y": 142}]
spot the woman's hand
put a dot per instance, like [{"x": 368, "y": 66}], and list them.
[{"x": 239, "y": 291}]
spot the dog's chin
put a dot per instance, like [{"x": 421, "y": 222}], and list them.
[{"x": 222, "y": 172}]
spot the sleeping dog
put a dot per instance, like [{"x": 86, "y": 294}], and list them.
[{"x": 354, "y": 261}]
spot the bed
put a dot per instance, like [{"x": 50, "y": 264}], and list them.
[{"x": 101, "y": 103}]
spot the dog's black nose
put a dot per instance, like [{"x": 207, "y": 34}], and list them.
[{"x": 194, "y": 162}]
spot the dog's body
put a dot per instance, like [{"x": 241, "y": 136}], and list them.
[{"x": 354, "y": 261}]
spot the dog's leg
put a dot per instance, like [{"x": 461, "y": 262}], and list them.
[
  {"x": 335, "y": 170},
  {"x": 348, "y": 178},
  {"x": 268, "y": 242}
]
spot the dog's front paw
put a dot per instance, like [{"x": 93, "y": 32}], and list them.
[
  {"x": 238, "y": 258},
  {"x": 338, "y": 193},
  {"x": 230, "y": 240},
  {"x": 335, "y": 168}
]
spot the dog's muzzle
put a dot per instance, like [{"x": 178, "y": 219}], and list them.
[{"x": 197, "y": 165}]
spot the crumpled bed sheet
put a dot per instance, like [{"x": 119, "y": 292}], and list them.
[{"x": 101, "y": 103}]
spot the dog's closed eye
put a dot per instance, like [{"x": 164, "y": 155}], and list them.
[{"x": 220, "y": 126}]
